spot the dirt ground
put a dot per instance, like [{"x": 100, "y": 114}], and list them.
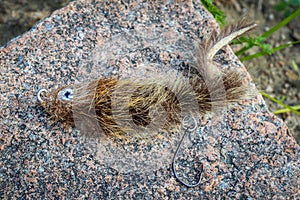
[
  {"x": 18, "y": 16},
  {"x": 273, "y": 74}
]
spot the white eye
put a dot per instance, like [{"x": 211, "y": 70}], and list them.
[{"x": 65, "y": 95}]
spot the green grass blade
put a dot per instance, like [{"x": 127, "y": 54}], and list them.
[
  {"x": 281, "y": 24},
  {"x": 296, "y": 68},
  {"x": 218, "y": 14},
  {"x": 256, "y": 55},
  {"x": 243, "y": 50},
  {"x": 286, "y": 110},
  {"x": 280, "y": 103},
  {"x": 271, "y": 31}
]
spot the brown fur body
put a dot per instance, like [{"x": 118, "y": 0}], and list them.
[
  {"x": 162, "y": 100},
  {"x": 143, "y": 102}
]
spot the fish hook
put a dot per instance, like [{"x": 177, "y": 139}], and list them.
[{"x": 188, "y": 129}]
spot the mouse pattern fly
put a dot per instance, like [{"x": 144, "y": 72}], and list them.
[{"x": 140, "y": 107}]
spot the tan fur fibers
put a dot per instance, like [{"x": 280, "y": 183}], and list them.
[{"x": 139, "y": 104}]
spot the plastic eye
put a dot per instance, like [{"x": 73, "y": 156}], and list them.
[
  {"x": 65, "y": 94},
  {"x": 40, "y": 94}
]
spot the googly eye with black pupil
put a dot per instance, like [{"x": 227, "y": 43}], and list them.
[
  {"x": 40, "y": 94},
  {"x": 65, "y": 95}
]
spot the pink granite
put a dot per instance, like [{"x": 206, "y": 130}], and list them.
[{"x": 253, "y": 157}]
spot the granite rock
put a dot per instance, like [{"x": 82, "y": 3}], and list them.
[{"x": 248, "y": 153}]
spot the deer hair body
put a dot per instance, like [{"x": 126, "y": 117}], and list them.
[
  {"x": 143, "y": 99},
  {"x": 138, "y": 104}
]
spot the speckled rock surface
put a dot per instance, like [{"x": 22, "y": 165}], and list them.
[{"x": 253, "y": 155}]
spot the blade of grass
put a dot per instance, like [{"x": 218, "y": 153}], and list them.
[
  {"x": 281, "y": 24},
  {"x": 286, "y": 110},
  {"x": 296, "y": 67},
  {"x": 256, "y": 55},
  {"x": 218, "y": 14},
  {"x": 280, "y": 103},
  {"x": 271, "y": 31}
]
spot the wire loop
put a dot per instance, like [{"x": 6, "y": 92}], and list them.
[{"x": 189, "y": 124}]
